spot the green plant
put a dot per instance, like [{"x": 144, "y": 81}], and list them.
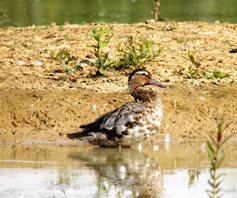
[
  {"x": 215, "y": 74},
  {"x": 68, "y": 62},
  {"x": 137, "y": 51},
  {"x": 196, "y": 71},
  {"x": 193, "y": 72},
  {"x": 102, "y": 35},
  {"x": 215, "y": 144},
  {"x": 193, "y": 60}
]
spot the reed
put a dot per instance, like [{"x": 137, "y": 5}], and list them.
[{"x": 215, "y": 143}]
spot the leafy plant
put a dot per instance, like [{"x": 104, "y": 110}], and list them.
[
  {"x": 102, "y": 35},
  {"x": 215, "y": 144},
  {"x": 68, "y": 62},
  {"x": 137, "y": 51},
  {"x": 196, "y": 71},
  {"x": 215, "y": 74}
]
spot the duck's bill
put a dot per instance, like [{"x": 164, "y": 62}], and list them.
[{"x": 156, "y": 83}]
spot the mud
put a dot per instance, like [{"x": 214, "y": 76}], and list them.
[{"x": 47, "y": 115}]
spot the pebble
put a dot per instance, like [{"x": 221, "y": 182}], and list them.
[
  {"x": 37, "y": 63},
  {"x": 20, "y": 62}
]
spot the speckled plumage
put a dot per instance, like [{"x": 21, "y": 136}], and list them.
[{"x": 132, "y": 122}]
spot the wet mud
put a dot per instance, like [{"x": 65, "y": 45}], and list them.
[{"x": 48, "y": 115}]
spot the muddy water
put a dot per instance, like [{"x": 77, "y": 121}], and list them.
[{"x": 176, "y": 170}]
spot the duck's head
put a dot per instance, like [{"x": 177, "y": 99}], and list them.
[{"x": 140, "y": 78}]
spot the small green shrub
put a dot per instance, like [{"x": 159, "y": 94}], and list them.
[
  {"x": 67, "y": 61},
  {"x": 102, "y": 36},
  {"x": 215, "y": 144},
  {"x": 196, "y": 71},
  {"x": 137, "y": 51},
  {"x": 134, "y": 52},
  {"x": 215, "y": 74}
]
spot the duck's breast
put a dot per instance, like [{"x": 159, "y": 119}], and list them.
[{"x": 148, "y": 124}]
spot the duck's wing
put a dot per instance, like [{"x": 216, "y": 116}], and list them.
[{"x": 112, "y": 123}]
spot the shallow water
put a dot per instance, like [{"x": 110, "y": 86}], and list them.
[
  {"x": 176, "y": 170},
  {"x": 44, "y": 12}
]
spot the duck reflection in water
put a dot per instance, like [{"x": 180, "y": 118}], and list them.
[{"x": 126, "y": 172}]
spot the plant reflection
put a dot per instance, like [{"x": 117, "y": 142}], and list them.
[{"x": 193, "y": 175}]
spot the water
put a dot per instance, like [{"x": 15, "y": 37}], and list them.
[
  {"x": 45, "y": 12},
  {"x": 176, "y": 170}
]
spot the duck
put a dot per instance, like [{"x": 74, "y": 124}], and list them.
[{"x": 131, "y": 123}]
